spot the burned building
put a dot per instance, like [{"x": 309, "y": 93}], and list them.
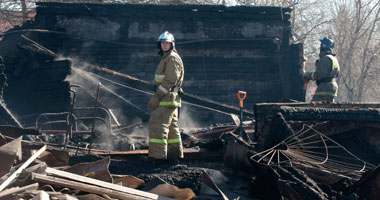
[
  {"x": 224, "y": 50},
  {"x": 99, "y": 58}
]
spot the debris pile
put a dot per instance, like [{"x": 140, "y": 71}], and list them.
[
  {"x": 74, "y": 141},
  {"x": 81, "y": 181},
  {"x": 218, "y": 164}
]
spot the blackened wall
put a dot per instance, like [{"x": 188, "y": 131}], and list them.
[
  {"x": 224, "y": 49},
  {"x": 35, "y": 80}
]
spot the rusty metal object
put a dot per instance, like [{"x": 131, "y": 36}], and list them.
[
  {"x": 55, "y": 158},
  {"x": 70, "y": 120},
  {"x": 98, "y": 169},
  {"x": 8, "y": 153},
  {"x": 312, "y": 149},
  {"x": 127, "y": 180}
]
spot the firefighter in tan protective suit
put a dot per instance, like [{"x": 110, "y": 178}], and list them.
[
  {"x": 326, "y": 72},
  {"x": 164, "y": 136}
]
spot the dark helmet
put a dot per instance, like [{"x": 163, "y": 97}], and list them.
[
  {"x": 327, "y": 44},
  {"x": 165, "y": 37}
]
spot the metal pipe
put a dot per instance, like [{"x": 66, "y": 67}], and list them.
[{"x": 96, "y": 107}]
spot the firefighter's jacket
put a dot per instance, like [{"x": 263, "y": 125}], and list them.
[
  {"x": 327, "y": 69},
  {"x": 168, "y": 79},
  {"x": 164, "y": 135}
]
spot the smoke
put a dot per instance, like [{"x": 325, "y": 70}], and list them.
[
  {"x": 108, "y": 95},
  {"x": 187, "y": 119},
  {"x": 128, "y": 133}
]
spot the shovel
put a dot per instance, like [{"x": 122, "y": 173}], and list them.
[{"x": 241, "y": 96}]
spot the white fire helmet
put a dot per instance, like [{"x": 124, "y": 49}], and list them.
[{"x": 166, "y": 36}]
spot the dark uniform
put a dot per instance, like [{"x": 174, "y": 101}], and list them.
[{"x": 325, "y": 74}]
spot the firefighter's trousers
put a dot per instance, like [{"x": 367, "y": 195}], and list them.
[
  {"x": 326, "y": 91},
  {"x": 164, "y": 136}
]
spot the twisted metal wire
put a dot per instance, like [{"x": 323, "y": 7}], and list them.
[{"x": 311, "y": 149}]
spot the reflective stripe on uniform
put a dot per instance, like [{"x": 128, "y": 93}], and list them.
[
  {"x": 175, "y": 140},
  {"x": 335, "y": 64},
  {"x": 325, "y": 93},
  {"x": 159, "y": 78},
  {"x": 170, "y": 103},
  {"x": 164, "y": 90},
  {"x": 160, "y": 141}
]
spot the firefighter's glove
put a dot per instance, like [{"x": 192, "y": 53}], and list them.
[
  {"x": 303, "y": 70},
  {"x": 153, "y": 103},
  {"x": 159, "y": 93},
  {"x": 303, "y": 65},
  {"x": 180, "y": 92}
]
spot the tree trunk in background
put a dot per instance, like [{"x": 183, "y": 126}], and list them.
[{"x": 24, "y": 11}]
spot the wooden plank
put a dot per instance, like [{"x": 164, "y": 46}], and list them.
[
  {"x": 103, "y": 184},
  {"x": 86, "y": 187},
  {"x": 15, "y": 190},
  {"x": 23, "y": 166}
]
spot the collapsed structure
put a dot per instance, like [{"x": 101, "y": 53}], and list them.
[
  {"x": 224, "y": 49},
  {"x": 85, "y": 69}
]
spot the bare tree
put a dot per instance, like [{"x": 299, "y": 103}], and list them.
[
  {"x": 356, "y": 31},
  {"x": 282, "y": 3},
  {"x": 24, "y": 10},
  {"x": 14, "y": 12},
  {"x": 354, "y": 25}
]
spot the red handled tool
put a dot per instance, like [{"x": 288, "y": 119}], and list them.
[
  {"x": 241, "y": 96},
  {"x": 305, "y": 84},
  {"x": 241, "y": 99}
]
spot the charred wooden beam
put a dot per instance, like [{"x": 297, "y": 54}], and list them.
[
  {"x": 192, "y": 99},
  {"x": 7, "y": 117},
  {"x": 235, "y": 153},
  {"x": 15, "y": 132},
  {"x": 368, "y": 185},
  {"x": 267, "y": 110},
  {"x": 40, "y": 48},
  {"x": 277, "y": 182},
  {"x": 342, "y": 117},
  {"x": 322, "y": 114}
]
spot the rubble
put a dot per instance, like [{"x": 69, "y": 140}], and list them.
[
  {"x": 262, "y": 177},
  {"x": 70, "y": 140}
]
